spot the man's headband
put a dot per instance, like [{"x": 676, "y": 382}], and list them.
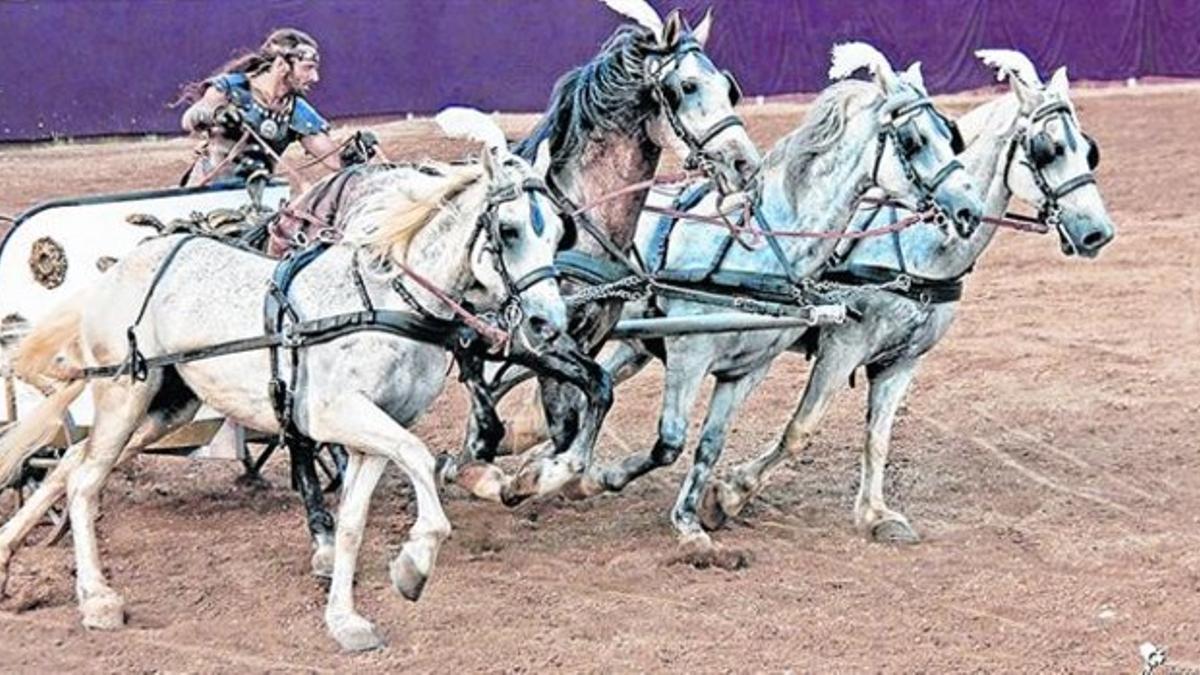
[{"x": 297, "y": 53}]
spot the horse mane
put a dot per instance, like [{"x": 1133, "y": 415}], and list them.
[
  {"x": 397, "y": 215},
  {"x": 823, "y": 127},
  {"x": 608, "y": 94}
]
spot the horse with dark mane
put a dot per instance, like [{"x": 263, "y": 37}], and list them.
[{"x": 651, "y": 88}]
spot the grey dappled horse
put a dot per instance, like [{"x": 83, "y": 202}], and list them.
[
  {"x": 885, "y": 133},
  {"x": 651, "y": 88},
  {"x": 1027, "y": 144}
]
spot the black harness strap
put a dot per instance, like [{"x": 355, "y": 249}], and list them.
[
  {"x": 356, "y": 274},
  {"x": 919, "y": 289},
  {"x": 137, "y": 368},
  {"x": 280, "y": 318},
  {"x": 303, "y": 334}
]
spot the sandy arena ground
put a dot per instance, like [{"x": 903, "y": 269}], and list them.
[{"x": 1048, "y": 454}]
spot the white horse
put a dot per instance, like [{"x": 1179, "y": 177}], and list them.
[
  {"x": 1027, "y": 144},
  {"x": 884, "y": 133},
  {"x": 479, "y": 233}
]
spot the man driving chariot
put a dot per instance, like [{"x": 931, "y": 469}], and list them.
[{"x": 260, "y": 99}]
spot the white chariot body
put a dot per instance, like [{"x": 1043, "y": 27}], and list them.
[{"x": 59, "y": 247}]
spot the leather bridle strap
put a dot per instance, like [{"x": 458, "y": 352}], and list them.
[{"x": 697, "y": 157}]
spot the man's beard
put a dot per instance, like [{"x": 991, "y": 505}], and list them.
[{"x": 296, "y": 87}]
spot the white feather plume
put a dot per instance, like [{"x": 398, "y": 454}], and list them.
[
  {"x": 848, "y": 57},
  {"x": 460, "y": 122},
  {"x": 640, "y": 11},
  {"x": 1010, "y": 62}
]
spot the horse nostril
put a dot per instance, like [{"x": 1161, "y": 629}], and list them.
[
  {"x": 543, "y": 328},
  {"x": 967, "y": 216},
  {"x": 1095, "y": 239},
  {"x": 743, "y": 167}
]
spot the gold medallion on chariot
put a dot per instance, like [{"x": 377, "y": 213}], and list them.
[{"x": 48, "y": 262}]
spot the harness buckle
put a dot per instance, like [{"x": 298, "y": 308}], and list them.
[
  {"x": 328, "y": 235},
  {"x": 1053, "y": 216},
  {"x": 940, "y": 219},
  {"x": 513, "y": 314},
  {"x": 289, "y": 337}
]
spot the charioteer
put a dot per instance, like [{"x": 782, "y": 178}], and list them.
[{"x": 260, "y": 99}]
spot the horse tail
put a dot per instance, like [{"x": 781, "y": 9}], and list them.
[
  {"x": 35, "y": 430},
  {"x": 51, "y": 337}
]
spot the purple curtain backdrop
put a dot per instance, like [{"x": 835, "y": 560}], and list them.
[{"x": 88, "y": 67}]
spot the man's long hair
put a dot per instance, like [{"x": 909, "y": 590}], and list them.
[{"x": 281, "y": 42}]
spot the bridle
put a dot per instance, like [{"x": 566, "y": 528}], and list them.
[
  {"x": 488, "y": 226},
  {"x": 698, "y": 157},
  {"x": 1040, "y": 153},
  {"x": 891, "y": 129}
]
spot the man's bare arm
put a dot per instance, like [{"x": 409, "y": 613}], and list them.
[
  {"x": 321, "y": 145},
  {"x": 199, "y": 116}
]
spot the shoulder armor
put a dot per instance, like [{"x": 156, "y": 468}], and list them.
[
  {"x": 306, "y": 121},
  {"x": 235, "y": 86}
]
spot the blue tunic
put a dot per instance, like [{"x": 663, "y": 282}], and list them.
[{"x": 278, "y": 129}]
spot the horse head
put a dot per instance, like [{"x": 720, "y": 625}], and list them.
[
  {"x": 918, "y": 144},
  {"x": 691, "y": 100},
  {"x": 1051, "y": 160},
  {"x": 519, "y": 229}
]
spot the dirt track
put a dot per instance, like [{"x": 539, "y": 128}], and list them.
[{"x": 1048, "y": 454}]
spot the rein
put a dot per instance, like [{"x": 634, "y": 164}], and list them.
[
  {"x": 233, "y": 152},
  {"x": 1014, "y": 221},
  {"x": 635, "y": 187},
  {"x": 497, "y": 337},
  {"x": 302, "y": 184},
  {"x": 484, "y": 224},
  {"x": 722, "y": 221}
]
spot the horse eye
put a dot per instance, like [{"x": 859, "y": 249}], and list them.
[
  {"x": 911, "y": 143},
  {"x": 509, "y": 233},
  {"x": 688, "y": 87}
]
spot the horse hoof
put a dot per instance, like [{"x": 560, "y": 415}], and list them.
[
  {"x": 322, "y": 562},
  {"x": 712, "y": 514},
  {"x": 103, "y": 612},
  {"x": 408, "y": 579},
  {"x": 895, "y": 532},
  {"x": 485, "y": 481},
  {"x": 355, "y": 634}
]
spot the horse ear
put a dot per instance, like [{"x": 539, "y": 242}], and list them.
[
  {"x": 701, "y": 32},
  {"x": 672, "y": 29},
  {"x": 914, "y": 77},
  {"x": 640, "y": 11},
  {"x": 1059, "y": 83},
  {"x": 541, "y": 163}
]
